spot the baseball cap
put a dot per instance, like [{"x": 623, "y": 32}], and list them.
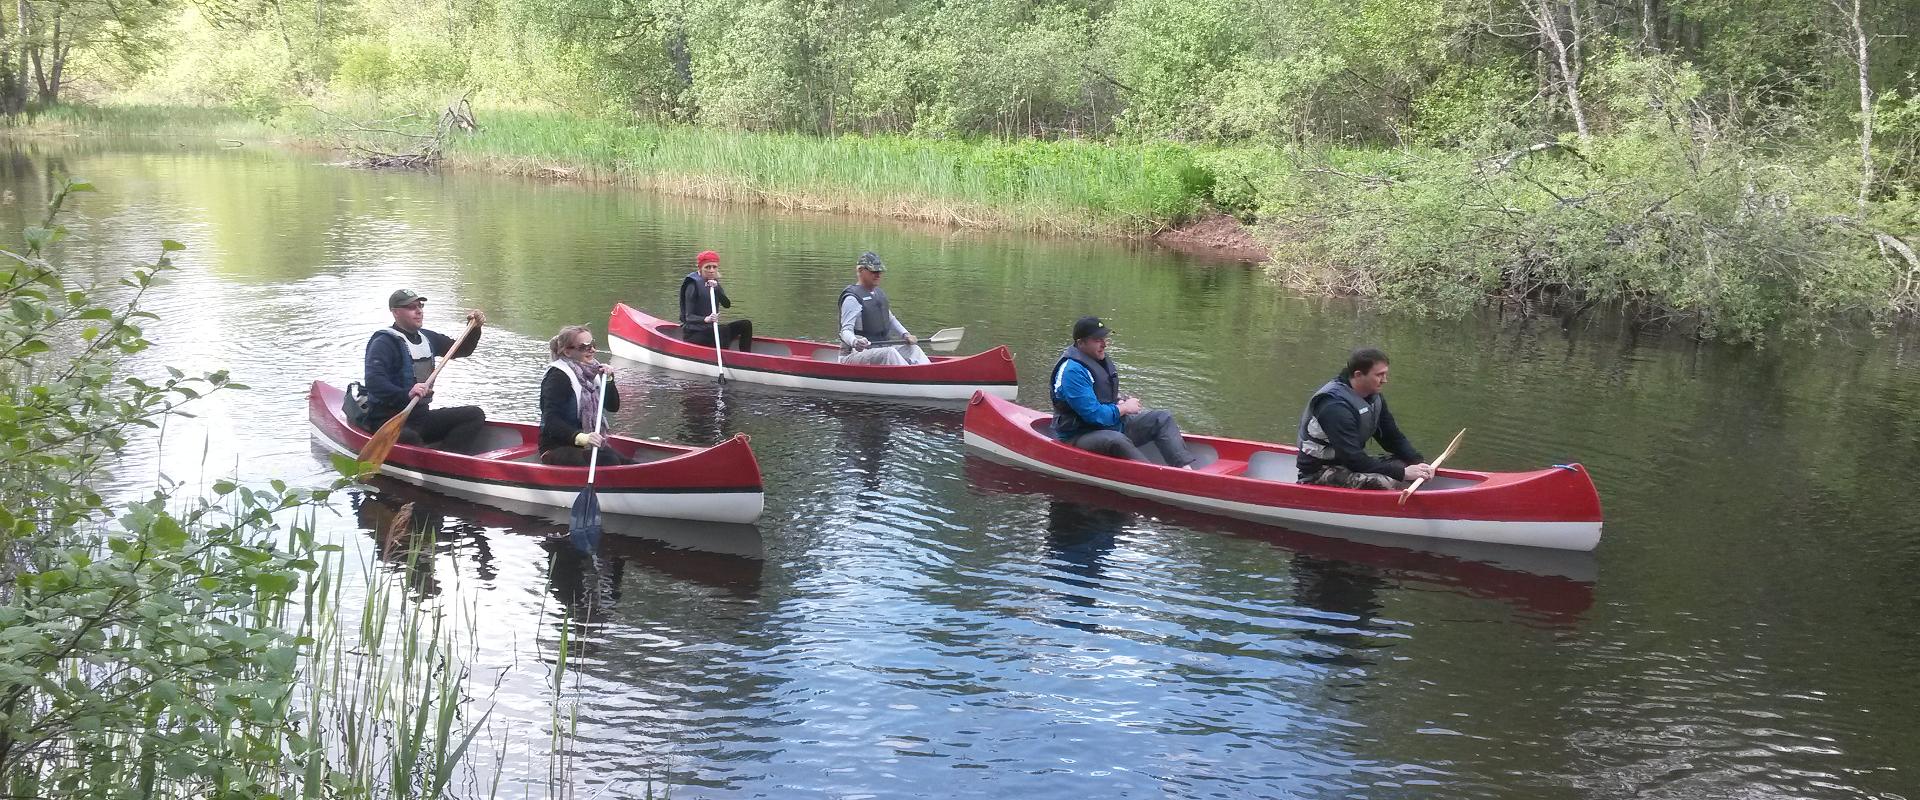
[
  {"x": 706, "y": 257},
  {"x": 871, "y": 262},
  {"x": 1089, "y": 328},
  {"x": 404, "y": 297}
]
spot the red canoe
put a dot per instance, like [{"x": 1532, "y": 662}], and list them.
[
  {"x": 719, "y": 483},
  {"x": 1556, "y": 507},
  {"x": 802, "y": 364}
]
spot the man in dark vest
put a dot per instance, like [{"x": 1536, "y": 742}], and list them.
[
  {"x": 866, "y": 318},
  {"x": 1090, "y": 413},
  {"x": 1339, "y": 419},
  {"x": 398, "y": 361},
  {"x": 698, "y": 318}
]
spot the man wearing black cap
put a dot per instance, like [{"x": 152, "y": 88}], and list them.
[
  {"x": 398, "y": 361},
  {"x": 865, "y": 317},
  {"x": 1090, "y": 413}
]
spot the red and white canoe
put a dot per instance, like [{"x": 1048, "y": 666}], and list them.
[
  {"x": 1556, "y": 507},
  {"x": 800, "y": 364},
  {"x": 718, "y": 484}
]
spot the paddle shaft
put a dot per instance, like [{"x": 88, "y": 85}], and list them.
[
  {"x": 599, "y": 416},
  {"x": 713, "y": 302},
  {"x": 1436, "y": 466},
  {"x": 375, "y": 452}
]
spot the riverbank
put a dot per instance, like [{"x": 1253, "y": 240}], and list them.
[
  {"x": 1059, "y": 187},
  {"x": 1725, "y": 236}
]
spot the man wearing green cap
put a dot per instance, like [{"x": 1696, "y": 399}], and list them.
[
  {"x": 865, "y": 318},
  {"x": 398, "y": 361}
]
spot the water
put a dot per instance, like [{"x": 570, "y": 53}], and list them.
[{"x": 910, "y": 621}]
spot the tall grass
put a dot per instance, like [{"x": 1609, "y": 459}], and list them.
[
  {"x": 140, "y": 120},
  {"x": 1065, "y": 187}
]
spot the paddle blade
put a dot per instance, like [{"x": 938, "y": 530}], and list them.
[
  {"x": 945, "y": 335},
  {"x": 584, "y": 525},
  {"x": 375, "y": 452}
]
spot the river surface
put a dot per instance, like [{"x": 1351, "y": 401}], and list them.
[{"x": 911, "y": 621}]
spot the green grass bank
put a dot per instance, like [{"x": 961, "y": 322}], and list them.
[{"x": 1062, "y": 187}]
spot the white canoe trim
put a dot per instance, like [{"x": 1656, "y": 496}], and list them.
[
  {"x": 1582, "y": 536},
  {"x": 632, "y": 351},
  {"x": 740, "y": 507}
]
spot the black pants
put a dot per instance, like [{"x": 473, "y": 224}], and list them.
[
  {"x": 737, "y": 334},
  {"x": 456, "y": 429},
  {"x": 568, "y": 455},
  {"x": 1154, "y": 427}
]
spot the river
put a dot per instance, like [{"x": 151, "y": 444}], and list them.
[{"x": 910, "y": 621}]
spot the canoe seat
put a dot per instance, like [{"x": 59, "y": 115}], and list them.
[
  {"x": 528, "y": 452},
  {"x": 1269, "y": 465},
  {"x": 1223, "y": 466}
]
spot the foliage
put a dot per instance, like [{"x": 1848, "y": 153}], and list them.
[
  {"x": 175, "y": 646},
  {"x": 1196, "y": 103}
]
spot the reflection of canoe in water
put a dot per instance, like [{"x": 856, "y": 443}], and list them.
[
  {"x": 1554, "y": 583},
  {"x": 1556, "y": 508},
  {"x": 726, "y": 556},
  {"x": 719, "y": 483},
  {"x": 801, "y": 364},
  {"x": 535, "y": 519}
]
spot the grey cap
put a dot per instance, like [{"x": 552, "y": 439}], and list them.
[
  {"x": 404, "y": 297},
  {"x": 871, "y": 262}
]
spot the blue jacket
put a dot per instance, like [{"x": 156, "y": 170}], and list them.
[{"x": 1073, "y": 388}]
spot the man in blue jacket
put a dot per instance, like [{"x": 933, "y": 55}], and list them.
[
  {"x": 1090, "y": 413},
  {"x": 398, "y": 361}
]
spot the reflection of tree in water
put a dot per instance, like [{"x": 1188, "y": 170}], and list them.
[{"x": 411, "y": 533}]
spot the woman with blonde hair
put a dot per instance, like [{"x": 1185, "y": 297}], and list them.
[{"x": 569, "y": 400}]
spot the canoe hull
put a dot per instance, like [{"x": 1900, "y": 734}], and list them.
[
  {"x": 716, "y": 484},
  {"x": 636, "y": 336},
  {"x": 1553, "y": 508}
]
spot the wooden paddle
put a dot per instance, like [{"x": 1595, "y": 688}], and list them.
[
  {"x": 375, "y": 452},
  {"x": 717, "y": 362},
  {"x": 1436, "y": 465}
]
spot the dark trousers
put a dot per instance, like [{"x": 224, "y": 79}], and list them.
[
  {"x": 570, "y": 456},
  {"x": 1138, "y": 430},
  {"x": 455, "y": 429},
  {"x": 737, "y": 334}
]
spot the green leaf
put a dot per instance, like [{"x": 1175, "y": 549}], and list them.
[
  {"x": 167, "y": 532},
  {"x": 170, "y": 246},
  {"x": 81, "y": 186}
]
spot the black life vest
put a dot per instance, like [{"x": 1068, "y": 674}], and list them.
[
  {"x": 876, "y": 317},
  {"x": 1315, "y": 449},
  {"x": 695, "y": 305},
  {"x": 1106, "y": 389}
]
